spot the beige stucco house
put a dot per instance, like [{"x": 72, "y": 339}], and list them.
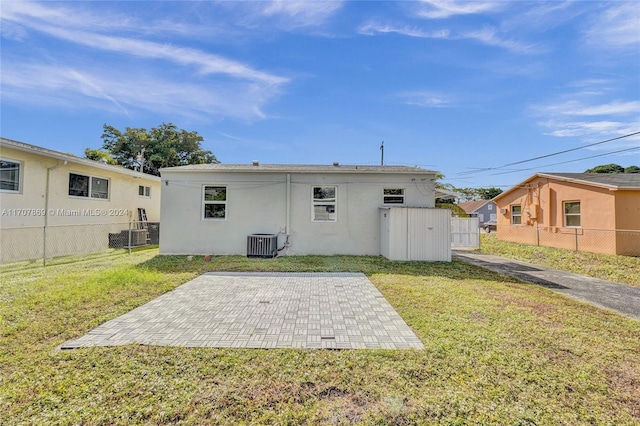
[
  {"x": 302, "y": 210},
  {"x": 62, "y": 204},
  {"x": 585, "y": 211}
]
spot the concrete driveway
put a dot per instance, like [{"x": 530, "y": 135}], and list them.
[
  {"x": 621, "y": 298},
  {"x": 262, "y": 310}
]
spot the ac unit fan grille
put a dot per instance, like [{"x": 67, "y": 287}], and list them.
[{"x": 264, "y": 246}]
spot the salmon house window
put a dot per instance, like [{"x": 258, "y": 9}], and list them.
[
  {"x": 516, "y": 215},
  {"x": 572, "y": 213}
]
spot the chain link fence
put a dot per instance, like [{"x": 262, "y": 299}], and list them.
[
  {"x": 608, "y": 241},
  {"x": 55, "y": 242}
]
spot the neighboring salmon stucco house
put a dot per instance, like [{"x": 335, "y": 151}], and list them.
[
  {"x": 61, "y": 204},
  {"x": 222, "y": 209},
  {"x": 580, "y": 211}
]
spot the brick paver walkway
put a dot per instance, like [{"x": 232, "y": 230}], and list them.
[{"x": 262, "y": 310}]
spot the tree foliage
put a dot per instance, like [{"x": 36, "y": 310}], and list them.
[
  {"x": 474, "y": 194},
  {"x": 613, "y": 168},
  {"x": 99, "y": 155},
  {"x": 162, "y": 146}
]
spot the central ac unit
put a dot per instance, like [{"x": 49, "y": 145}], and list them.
[{"x": 262, "y": 245}]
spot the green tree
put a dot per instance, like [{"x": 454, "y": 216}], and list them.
[
  {"x": 489, "y": 193},
  {"x": 606, "y": 168},
  {"x": 632, "y": 169},
  {"x": 99, "y": 155},
  {"x": 162, "y": 146}
]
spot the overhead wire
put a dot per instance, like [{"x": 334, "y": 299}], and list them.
[
  {"x": 486, "y": 169},
  {"x": 568, "y": 161}
]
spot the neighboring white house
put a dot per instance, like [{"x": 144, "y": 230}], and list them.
[
  {"x": 61, "y": 204},
  {"x": 313, "y": 210}
]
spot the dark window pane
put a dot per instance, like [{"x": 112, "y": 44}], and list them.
[
  {"x": 9, "y": 175},
  {"x": 215, "y": 193},
  {"x": 217, "y": 211},
  {"x": 324, "y": 192},
  {"x": 78, "y": 185}
]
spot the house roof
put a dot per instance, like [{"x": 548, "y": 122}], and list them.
[
  {"x": 471, "y": 206},
  {"x": 612, "y": 181},
  {"x": 33, "y": 149},
  {"x": 609, "y": 180},
  {"x": 298, "y": 168}
]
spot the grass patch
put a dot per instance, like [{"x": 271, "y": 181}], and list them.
[
  {"x": 496, "y": 352},
  {"x": 620, "y": 269}
]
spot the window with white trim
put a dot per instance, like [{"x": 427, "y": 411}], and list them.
[
  {"x": 10, "y": 175},
  {"x": 393, "y": 196},
  {"x": 324, "y": 204},
  {"x": 144, "y": 191},
  {"x": 572, "y": 213},
  {"x": 516, "y": 215},
  {"x": 489, "y": 206},
  {"x": 214, "y": 200},
  {"x": 88, "y": 186}
]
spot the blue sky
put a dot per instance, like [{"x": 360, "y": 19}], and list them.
[{"x": 447, "y": 85}]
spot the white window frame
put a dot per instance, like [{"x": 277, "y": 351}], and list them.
[
  {"x": 90, "y": 188},
  {"x": 519, "y": 215},
  {"x": 565, "y": 214},
  {"x": 317, "y": 202},
  {"x": 20, "y": 169},
  {"x": 386, "y": 198},
  {"x": 206, "y": 202},
  {"x": 146, "y": 191},
  {"x": 489, "y": 206}
]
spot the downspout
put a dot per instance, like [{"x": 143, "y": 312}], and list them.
[
  {"x": 46, "y": 212},
  {"x": 288, "y": 219}
]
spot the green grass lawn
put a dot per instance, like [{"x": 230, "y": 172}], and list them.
[
  {"x": 620, "y": 269},
  {"x": 497, "y": 351}
]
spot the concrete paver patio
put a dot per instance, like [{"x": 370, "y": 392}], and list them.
[{"x": 262, "y": 310}]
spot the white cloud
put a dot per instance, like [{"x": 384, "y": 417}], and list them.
[
  {"x": 439, "y": 9},
  {"x": 373, "y": 28},
  {"x": 426, "y": 99},
  {"x": 488, "y": 36},
  {"x": 590, "y": 121},
  {"x": 301, "y": 13},
  {"x": 201, "y": 83},
  {"x": 128, "y": 91},
  {"x": 617, "y": 27}
]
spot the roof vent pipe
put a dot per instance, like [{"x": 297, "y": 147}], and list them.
[
  {"x": 255, "y": 162},
  {"x": 336, "y": 164}
]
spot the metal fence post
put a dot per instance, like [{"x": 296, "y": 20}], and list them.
[
  {"x": 129, "y": 237},
  {"x": 538, "y": 235},
  {"x": 576, "y": 234}
]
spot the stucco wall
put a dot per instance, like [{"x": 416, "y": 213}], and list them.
[
  {"x": 602, "y": 211},
  {"x": 75, "y": 225},
  {"x": 257, "y": 203}
]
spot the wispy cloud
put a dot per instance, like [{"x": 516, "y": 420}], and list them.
[
  {"x": 590, "y": 120},
  {"x": 617, "y": 27},
  {"x": 373, "y": 28},
  {"x": 426, "y": 99},
  {"x": 301, "y": 13},
  {"x": 440, "y": 9},
  {"x": 201, "y": 83},
  {"x": 130, "y": 91},
  {"x": 488, "y": 35}
]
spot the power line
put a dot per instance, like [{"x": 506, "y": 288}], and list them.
[
  {"x": 569, "y": 161},
  {"x": 545, "y": 156}
]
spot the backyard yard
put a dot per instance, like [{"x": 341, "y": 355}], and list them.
[{"x": 497, "y": 351}]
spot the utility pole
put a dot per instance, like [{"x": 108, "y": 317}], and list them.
[{"x": 382, "y": 154}]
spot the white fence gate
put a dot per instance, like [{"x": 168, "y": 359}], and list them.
[{"x": 465, "y": 232}]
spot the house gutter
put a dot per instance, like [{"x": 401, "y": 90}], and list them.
[{"x": 46, "y": 212}]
